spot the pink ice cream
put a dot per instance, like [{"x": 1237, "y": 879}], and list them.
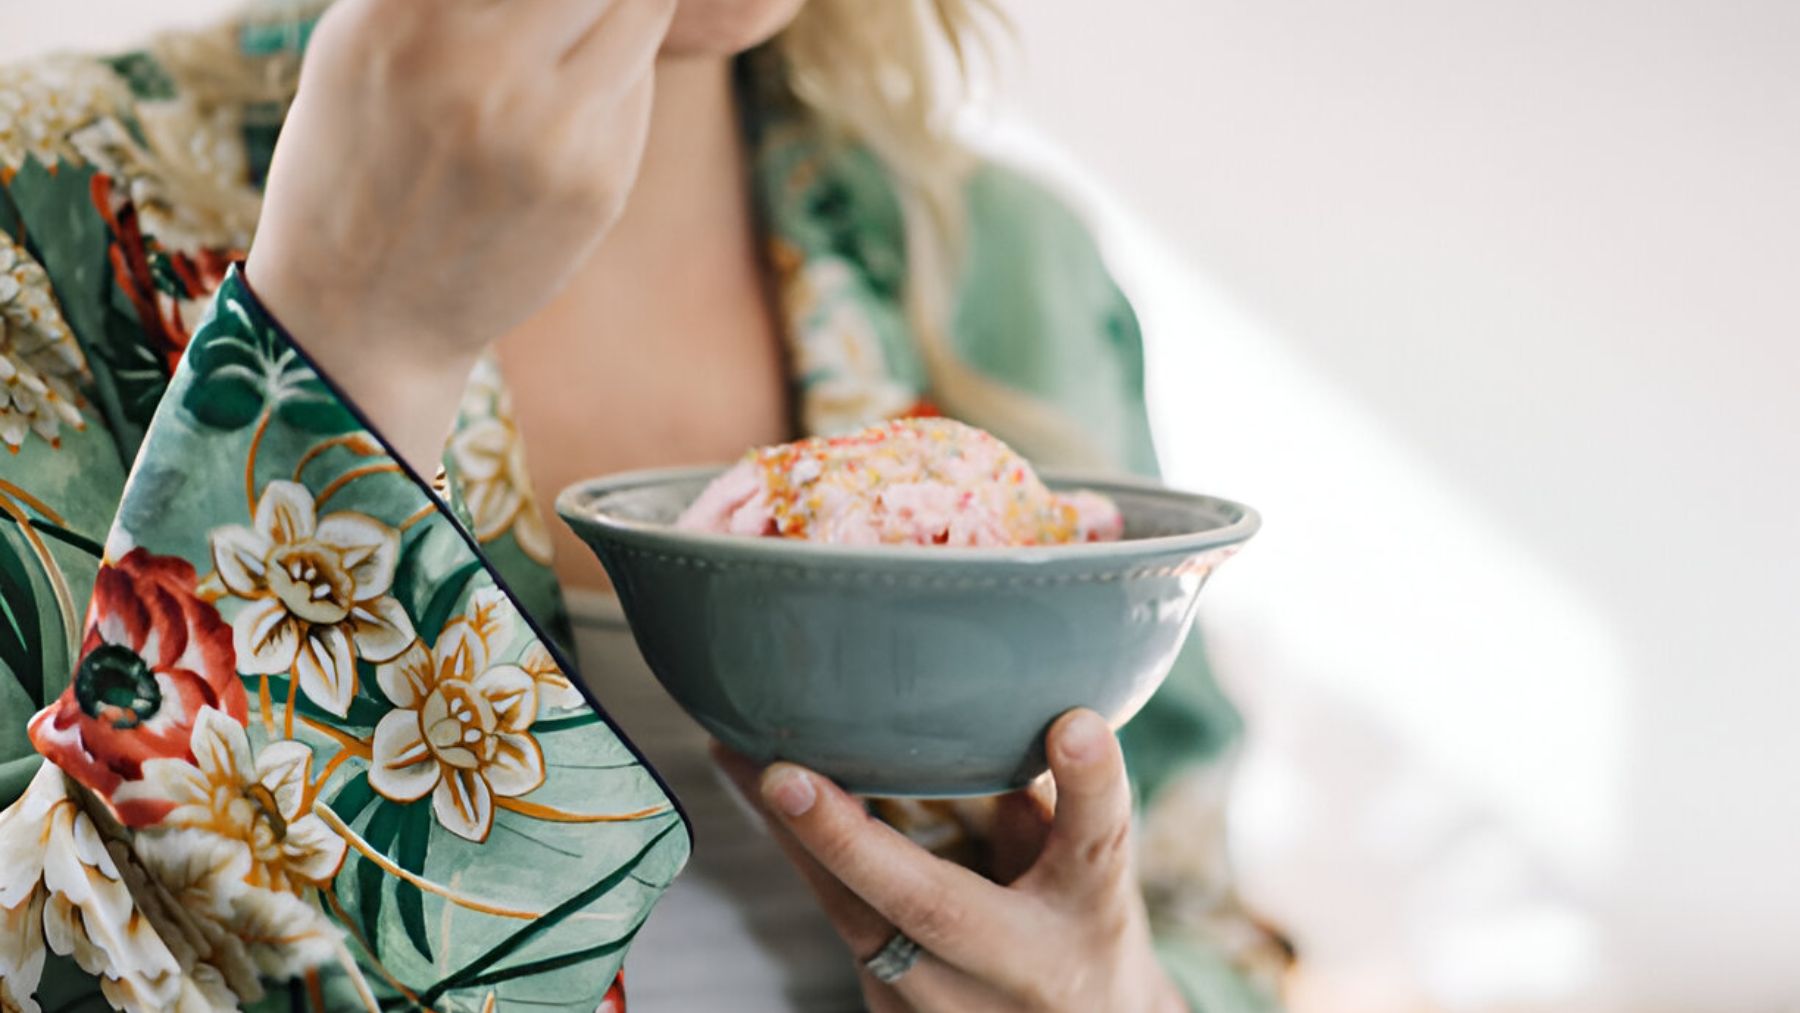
[{"x": 907, "y": 482}]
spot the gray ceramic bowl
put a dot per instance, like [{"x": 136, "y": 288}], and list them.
[{"x": 903, "y": 670}]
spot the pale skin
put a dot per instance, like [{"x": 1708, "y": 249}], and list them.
[{"x": 565, "y": 180}]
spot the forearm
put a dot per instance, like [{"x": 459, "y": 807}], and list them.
[{"x": 411, "y": 219}]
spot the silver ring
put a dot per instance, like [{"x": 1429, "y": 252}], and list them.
[{"x": 894, "y": 959}]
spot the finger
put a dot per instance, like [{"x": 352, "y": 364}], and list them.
[
  {"x": 622, "y": 45},
  {"x": 1022, "y": 823},
  {"x": 947, "y": 909},
  {"x": 930, "y": 984},
  {"x": 880, "y": 997},
  {"x": 1087, "y": 852},
  {"x": 857, "y": 923}
]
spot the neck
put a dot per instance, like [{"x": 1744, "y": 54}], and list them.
[{"x": 692, "y": 183}]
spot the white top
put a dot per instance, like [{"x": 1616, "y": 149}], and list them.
[{"x": 738, "y": 930}]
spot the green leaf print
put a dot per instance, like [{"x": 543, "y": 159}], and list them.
[
  {"x": 423, "y": 558},
  {"x": 443, "y": 603},
  {"x": 365, "y": 711},
  {"x": 353, "y": 798},
  {"x": 65, "y": 232},
  {"x": 554, "y": 963},
  {"x": 312, "y": 409},
  {"x": 415, "y": 836},
  {"x": 572, "y": 721},
  {"x": 383, "y": 827},
  {"x": 145, "y": 76},
  {"x": 21, "y": 642},
  {"x": 63, "y": 535},
  {"x": 236, "y": 366},
  {"x": 472, "y": 973},
  {"x": 243, "y": 368},
  {"x": 10, "y": 222}
]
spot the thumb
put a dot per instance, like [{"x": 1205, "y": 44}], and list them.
[{"x": 1088, "y": 850}]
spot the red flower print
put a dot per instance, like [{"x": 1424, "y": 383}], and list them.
[
  {"x": 614, "y": 1001},
  {"x": 195, "y": 276},
  {"x": 155, "y": 653}
]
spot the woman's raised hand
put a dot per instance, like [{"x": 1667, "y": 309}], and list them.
[
  {"x": 445, "y": 168},
  {"x": 1070, "y": 933}
]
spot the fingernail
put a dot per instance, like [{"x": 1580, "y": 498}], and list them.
[
  {"x": 1082, "y": 738},
  {"x": 789, "y": 790}
]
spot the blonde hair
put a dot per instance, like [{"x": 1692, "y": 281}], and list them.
[{"x": 877, "y": 73}]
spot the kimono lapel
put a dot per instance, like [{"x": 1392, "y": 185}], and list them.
[{"x": 835, "y": 239}]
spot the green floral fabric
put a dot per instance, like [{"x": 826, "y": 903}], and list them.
[
  {"x": 314, "y": 741},
  {"x": 306, "y": 746},
  {"x": 305, "y": 701}
]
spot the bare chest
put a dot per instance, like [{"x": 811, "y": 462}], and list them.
[{"x": 607, "y": 380}]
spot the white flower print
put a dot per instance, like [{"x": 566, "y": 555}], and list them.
[
  {"x": 271, "y": 932},
  {"x": 557, "y": 694},
  {"x": 239, "y": 848},
  {"x": 490, "y": 465},
  {"x": 317, "y": 593},
  {"x": 68, "y": 888},
  {"x": 257, "y": 800},
  {"x": 44, "y": 101},
  {"x": 186, "y": 167},
  {"x": 21, "y": 952},
  {"x": 200, "y": 151},
  {"x": 461, "y": 727},
  {"x": 40, "y": 363}
]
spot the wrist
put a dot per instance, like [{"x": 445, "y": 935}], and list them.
[
  {"x": 342, "y": 320},
  {"x": 405, "y": 381}
]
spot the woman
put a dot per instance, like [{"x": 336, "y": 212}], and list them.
[{"x": 318, "y": 740}]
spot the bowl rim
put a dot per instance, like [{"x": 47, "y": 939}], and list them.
[{"x": 573, "y": 506}]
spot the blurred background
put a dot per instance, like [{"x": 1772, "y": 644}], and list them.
[{"x": 1494, "y": 310}]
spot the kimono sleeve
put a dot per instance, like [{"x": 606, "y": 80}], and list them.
[{"x": 322, "y": 730}]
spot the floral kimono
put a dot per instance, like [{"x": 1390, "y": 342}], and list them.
[{"x": 313, "y": 738}]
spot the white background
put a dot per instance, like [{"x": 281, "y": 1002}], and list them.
[{"x": 1494, "y": 309}]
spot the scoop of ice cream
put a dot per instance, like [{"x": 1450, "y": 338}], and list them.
[{"x": 908, "y": 482}]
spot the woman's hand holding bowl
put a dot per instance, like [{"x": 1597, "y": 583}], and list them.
[{"x": 1070, "y": 933}]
